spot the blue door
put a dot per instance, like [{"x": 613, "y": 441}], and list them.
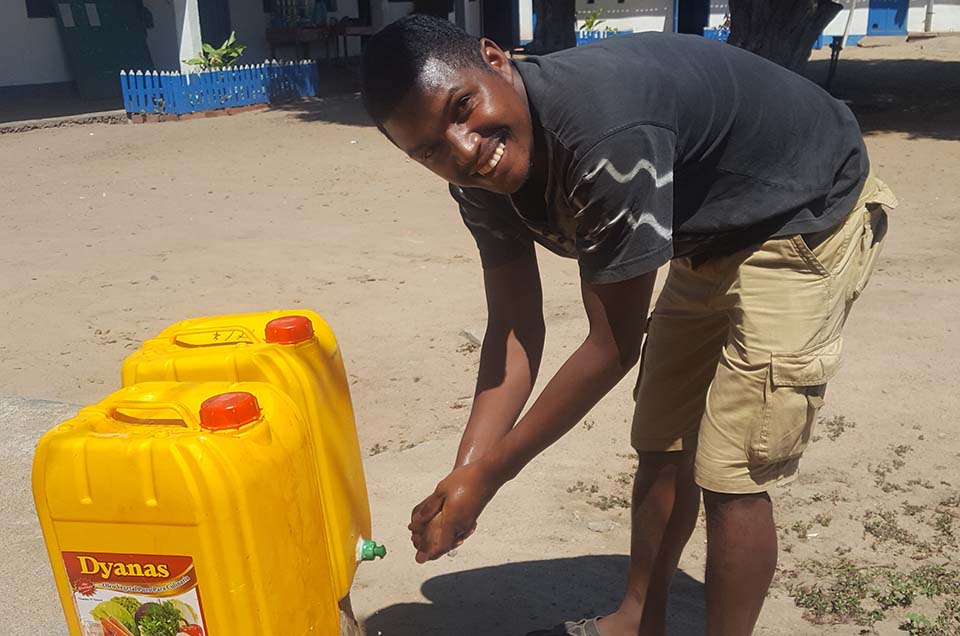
[{"x": 887, "y": 17}]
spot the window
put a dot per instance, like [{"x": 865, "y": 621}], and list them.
[{"x": 40, "y": 9}]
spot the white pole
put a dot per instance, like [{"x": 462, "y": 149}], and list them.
[
  {"x": 187, "y": 15},
  {"x": 928, "y": 19},
  {"x": 846, "y": 29}
]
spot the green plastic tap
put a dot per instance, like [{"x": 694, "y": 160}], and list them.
[{"x": 369, "y": 550}]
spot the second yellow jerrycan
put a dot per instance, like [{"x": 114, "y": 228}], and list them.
[{"x": 296, "y": 352}]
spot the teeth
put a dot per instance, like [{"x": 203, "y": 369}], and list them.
[{"x": 497, "y": 154}]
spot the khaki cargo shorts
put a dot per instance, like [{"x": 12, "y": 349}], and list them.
[{"x": 739, "y": 349}]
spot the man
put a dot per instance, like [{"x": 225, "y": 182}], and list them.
[{"x": 626, "y": 155}]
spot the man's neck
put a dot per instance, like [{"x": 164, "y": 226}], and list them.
[{"x": 537, "y": 173}]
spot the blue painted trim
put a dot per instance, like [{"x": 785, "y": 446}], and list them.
[
  {"x": 716, "y": 34},
  {"x": 676, "y": 14},
  {"x": 821, "y": 41},
  {"x": 585, "y": 37}
]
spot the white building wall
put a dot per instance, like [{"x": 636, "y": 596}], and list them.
[
  {"x": 643, "y": 15},
  {"x": 916, "y": 16},
  {"x": 718, "y": 11},
  {"x": 642, "y": 23},
  {"x": 946, "y": 17},
  {"x": 859, "y": 24},
  {"x": 30, "y": 49}
]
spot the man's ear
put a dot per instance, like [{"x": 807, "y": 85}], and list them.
[{"x": 494, "y": 56}]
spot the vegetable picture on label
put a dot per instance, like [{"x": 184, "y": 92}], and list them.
[{"x": 135, "y": 595}]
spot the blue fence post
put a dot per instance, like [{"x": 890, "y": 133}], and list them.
[
  {"x": 156, "y": 97},
  {"x": 226, "y": 87},
  {"x": 213, "y": 90},
  {"x": 192, "y": 92},
  {"x": 172, "y": 91},
  {"x": 186, "y": 104},
  {"x": 140, "y": 103},
  {"x": 263, "y": 83},
  {"x": 148, "y": 101},
  {"x": 206, "y": 86},
  {"x": 252, "y": 77},
  {"x": 243, "y": 85},
  {"x": 125, "y": 90},
  {"x": 219, "y": 82},
  {"x": 233, "y": 86}
]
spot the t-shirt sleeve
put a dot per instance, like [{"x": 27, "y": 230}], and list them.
[
  {"x": 622, "y": 189},
  {"x": 500, "y": 236}
]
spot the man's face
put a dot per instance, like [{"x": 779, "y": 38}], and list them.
[{"x": 470, "y": 126}]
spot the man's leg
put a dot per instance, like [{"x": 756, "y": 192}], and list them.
[
  {"x": 666, "y": 502},
  {"x": 683, "y": 520},
  {"x": 685, "y": 337},
  {"x": 788, "y": 301},
  {"x": 741, "y": 559}
]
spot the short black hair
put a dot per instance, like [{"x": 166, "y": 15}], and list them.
[{"x": 395, "y": 57}]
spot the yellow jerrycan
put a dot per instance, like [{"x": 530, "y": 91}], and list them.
[
  {"x": 187, "y": 509},
  {"x": 297, "y": 352}
]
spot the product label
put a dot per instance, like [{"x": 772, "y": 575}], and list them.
[{"x": 135, "y": 594}]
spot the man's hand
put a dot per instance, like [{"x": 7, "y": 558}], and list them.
[{"x": 445, "y": 519}]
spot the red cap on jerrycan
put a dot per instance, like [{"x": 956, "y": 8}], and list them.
[
  {"x": 229, "y": 411},
  {"x": 289, "y": 330}
]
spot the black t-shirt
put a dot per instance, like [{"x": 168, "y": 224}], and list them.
[{"x": 662, "y": 145}]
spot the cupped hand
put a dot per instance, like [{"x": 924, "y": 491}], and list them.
[{"x": 446, "y": 518}]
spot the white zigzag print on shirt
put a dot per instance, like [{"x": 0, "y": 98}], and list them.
[
  {"x": 620, "y": 177},
  {"x": 644, "y": 218},
  {"x": 635, "y": 221}
]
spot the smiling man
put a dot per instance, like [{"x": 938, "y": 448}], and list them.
[{"x": 629, "y": 154}]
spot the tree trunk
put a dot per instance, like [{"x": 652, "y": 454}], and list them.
[
  {"x": 556, "y": 26},
  {"x": 780, "y": 30}
]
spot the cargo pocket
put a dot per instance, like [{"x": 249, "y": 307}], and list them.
[
  {"x": 794, "y": 393},
  {"x": 874, "y": 233}
]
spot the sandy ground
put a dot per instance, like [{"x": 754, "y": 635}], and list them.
[{"x": 112, "y": 232}]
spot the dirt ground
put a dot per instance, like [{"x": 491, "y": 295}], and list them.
[{"x": 112, "y": 232}]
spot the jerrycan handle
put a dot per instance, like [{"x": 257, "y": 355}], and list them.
[
  {"x": 226, "y": 411},
  {"x": 153, "y": 414}
]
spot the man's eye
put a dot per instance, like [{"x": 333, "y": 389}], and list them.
[
  {"x": 427, "y": 154},
  {"x": 463, "y": 107}
]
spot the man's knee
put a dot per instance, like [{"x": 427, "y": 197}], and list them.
[
  {"x": 657, "y": 466},
  {"x": 720, "y": 504},
  {"x": 658, "y": 461}
]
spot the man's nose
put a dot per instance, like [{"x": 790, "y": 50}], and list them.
[{"x": 464, "y": 144}]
